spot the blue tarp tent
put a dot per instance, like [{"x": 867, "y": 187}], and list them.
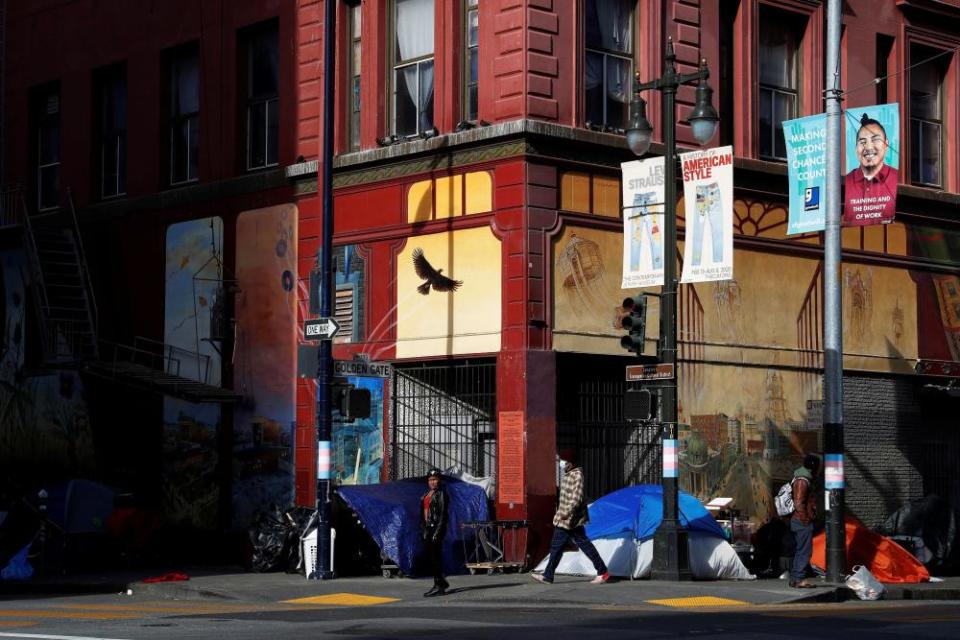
[
  {"x": 390, "y": 512},
  {"x": 639, "y": 509}
]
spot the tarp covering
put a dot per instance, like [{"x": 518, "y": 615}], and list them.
[
  {"x": 886, "y": 560},
  {"x": 929, "y": 525},
  {"x": 622, "y": 525},
  {"x": 639, "y": 510},
  {"x": 390, "y": 512}
]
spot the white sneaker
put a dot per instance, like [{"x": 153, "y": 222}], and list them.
[{"x": 600, "y": 579}]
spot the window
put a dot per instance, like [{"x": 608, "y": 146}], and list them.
[
  {"x": 184, "y": 114},
  {"x": 413, "y": 67},
  {"x": 779, "y": 98},
  {"x": 46, "y": 112},
  {"x": 609, "y": 62},
  {"x": 111, "y": 98},
  {"x": 471, "y": 50},
  {"x": 884, "y": 55},
  {"x": 353, "y": 76},
  {"x": 926, "y": 115},
  {"x": 262, "y": 89}
]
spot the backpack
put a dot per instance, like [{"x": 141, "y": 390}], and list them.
[{"x": 784, "y": 500}]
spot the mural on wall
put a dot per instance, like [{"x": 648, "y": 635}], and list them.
[
  {"x": 587, "y": 264},
  {"x": 448, "y": 295},
  {"x": 750, "y": 381},
  {"x": 357, "y": 447},
  {"x": 193, "y": 289},
  {"x": 264, "y": 360},
  {"x": 45, "y": 431}
]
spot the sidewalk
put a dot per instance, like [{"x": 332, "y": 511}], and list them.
[{"x": 230, "y": 583}]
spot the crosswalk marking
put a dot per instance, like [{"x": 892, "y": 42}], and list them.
[
  {"x": 699, "y": 601},
  {"x": 344, "y": 599}
]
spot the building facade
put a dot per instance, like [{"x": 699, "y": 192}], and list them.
[{"x": 478, "y": 242}]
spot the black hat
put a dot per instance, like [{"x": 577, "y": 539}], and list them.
[{"x": 433, "y": 473}]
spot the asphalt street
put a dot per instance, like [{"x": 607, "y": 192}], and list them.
[{"x": 123, "y": 617}]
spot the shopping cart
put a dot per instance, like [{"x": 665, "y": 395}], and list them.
[{"x": 495, "y": 545}]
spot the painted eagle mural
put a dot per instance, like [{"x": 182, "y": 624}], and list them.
[{"x": 433, "y": 277}]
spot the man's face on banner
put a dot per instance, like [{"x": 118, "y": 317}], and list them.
[{"x": 871, "y": 148}]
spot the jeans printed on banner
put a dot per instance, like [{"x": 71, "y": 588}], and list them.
[
  {"x": 643, "y": 223},
  {"x": 709, "y": 209}
]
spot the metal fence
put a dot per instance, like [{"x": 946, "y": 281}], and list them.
[
  {"x": 613, "y": 453},
  {"x": 444, "y": 416}
]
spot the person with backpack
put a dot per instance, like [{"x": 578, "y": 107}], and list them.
[{"x": 804, "y": 515}]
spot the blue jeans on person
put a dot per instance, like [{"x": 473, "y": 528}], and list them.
[
  {"x": 579, "y": 536},
  {"x": 803, "y": 534}
]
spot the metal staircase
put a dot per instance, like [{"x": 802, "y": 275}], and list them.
[{"x": 67, "y": 308}]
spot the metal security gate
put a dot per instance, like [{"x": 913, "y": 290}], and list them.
[
  {"x": 613, "y": 453},
  {"x": 444, "y": 416}
]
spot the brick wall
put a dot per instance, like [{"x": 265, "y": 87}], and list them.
[{"x": 884, "y": 429}]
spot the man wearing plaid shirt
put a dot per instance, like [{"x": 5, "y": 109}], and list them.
[{"x": 568, "y": 524}]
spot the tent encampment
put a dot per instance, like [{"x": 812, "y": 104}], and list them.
[
  {"x": 390, "y": 513},
  {"x": 886, "y": 560},
  {"x": 622, "y": 525}
]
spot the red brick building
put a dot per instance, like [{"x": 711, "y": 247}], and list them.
[{"x": 485, "y": 136}]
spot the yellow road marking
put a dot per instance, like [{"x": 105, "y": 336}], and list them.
[
  {"x": 17, "y": 623},
  {"x": 79, "y": 615},
  {"x": 699, "y": 601},
  {"x": 344, "y": 599}
]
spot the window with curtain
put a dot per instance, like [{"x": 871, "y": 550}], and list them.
[
  {"x": 184, "y": 114},
  {"x": 111, "y": 92},
  {"x": 263, "y": 91},
  {"x": 780, "y": 34},
  {"x": 608, "y": 62},
  {"x": 353, "y": 77},
  {"x": 471, "y": 48},
  {"x": 413, "y": 67},
  {"x": 926, "y": 115},
  {"x": 46, "y": 112}
]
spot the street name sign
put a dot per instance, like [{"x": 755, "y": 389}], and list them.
[
  {"x": 320, "y": 329},
  {"x": 664, "y": 371},
  {"x": 361, "y": 368}
]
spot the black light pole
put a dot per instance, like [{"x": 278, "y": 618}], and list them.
[
  {"x": 325, "y": 358},
  {"x": 670, "y": 555}
]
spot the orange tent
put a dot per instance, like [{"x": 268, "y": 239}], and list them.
[{"x": 885, "y": 559}]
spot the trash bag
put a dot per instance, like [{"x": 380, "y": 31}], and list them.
[
  {"x": 275, "y": 539},
  {"x": 19, "y": 567},
  {"x": 929, "y": 526},
  {"x": 862, "y": 583}
]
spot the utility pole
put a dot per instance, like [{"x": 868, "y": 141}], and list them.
[
  {"x": 832, "y": 312},
  {"x": 325, "y": 358}
]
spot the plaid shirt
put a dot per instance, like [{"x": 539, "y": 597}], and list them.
[{"x": 571, "y": 512}]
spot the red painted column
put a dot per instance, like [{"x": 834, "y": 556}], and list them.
[{"x": 525, "y": 199}]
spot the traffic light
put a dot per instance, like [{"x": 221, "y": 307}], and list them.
[
  {"x": 635, "y": 322},
  {"x": 349, "y": 401}
]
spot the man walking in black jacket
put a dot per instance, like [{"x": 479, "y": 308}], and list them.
[{"x": 433, "y": 523}]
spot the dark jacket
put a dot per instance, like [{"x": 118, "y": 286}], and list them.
[
  {"x": 804, "y": 497},
  {"x": 433, "y": 525}
]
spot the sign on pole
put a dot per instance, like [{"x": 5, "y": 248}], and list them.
[
  {"x": 708, "y": 203},
  {"x": 643, "y": 187},
  {"x": 320, "y": 329},
  {"x": 806, "y": 140},
  {"x": 873, "y": 165},
  {"x": 663, "y": 371}
]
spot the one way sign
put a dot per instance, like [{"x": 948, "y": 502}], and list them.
[{"x": 320, "y": 329}]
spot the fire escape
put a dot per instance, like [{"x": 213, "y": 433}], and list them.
[{"x": 68, "y": 318}]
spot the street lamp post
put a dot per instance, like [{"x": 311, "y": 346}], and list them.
[{"x": 670, "y": 554}]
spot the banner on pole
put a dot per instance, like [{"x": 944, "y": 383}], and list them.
[
  {"x": 872, "y": 165},
  {"x": 643, "y": 196},
  {"x": 806, "y": 140},
  {"x": 708, "y": 198}
]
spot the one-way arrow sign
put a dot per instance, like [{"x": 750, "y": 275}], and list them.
[{"x": 320, "y": 329}]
